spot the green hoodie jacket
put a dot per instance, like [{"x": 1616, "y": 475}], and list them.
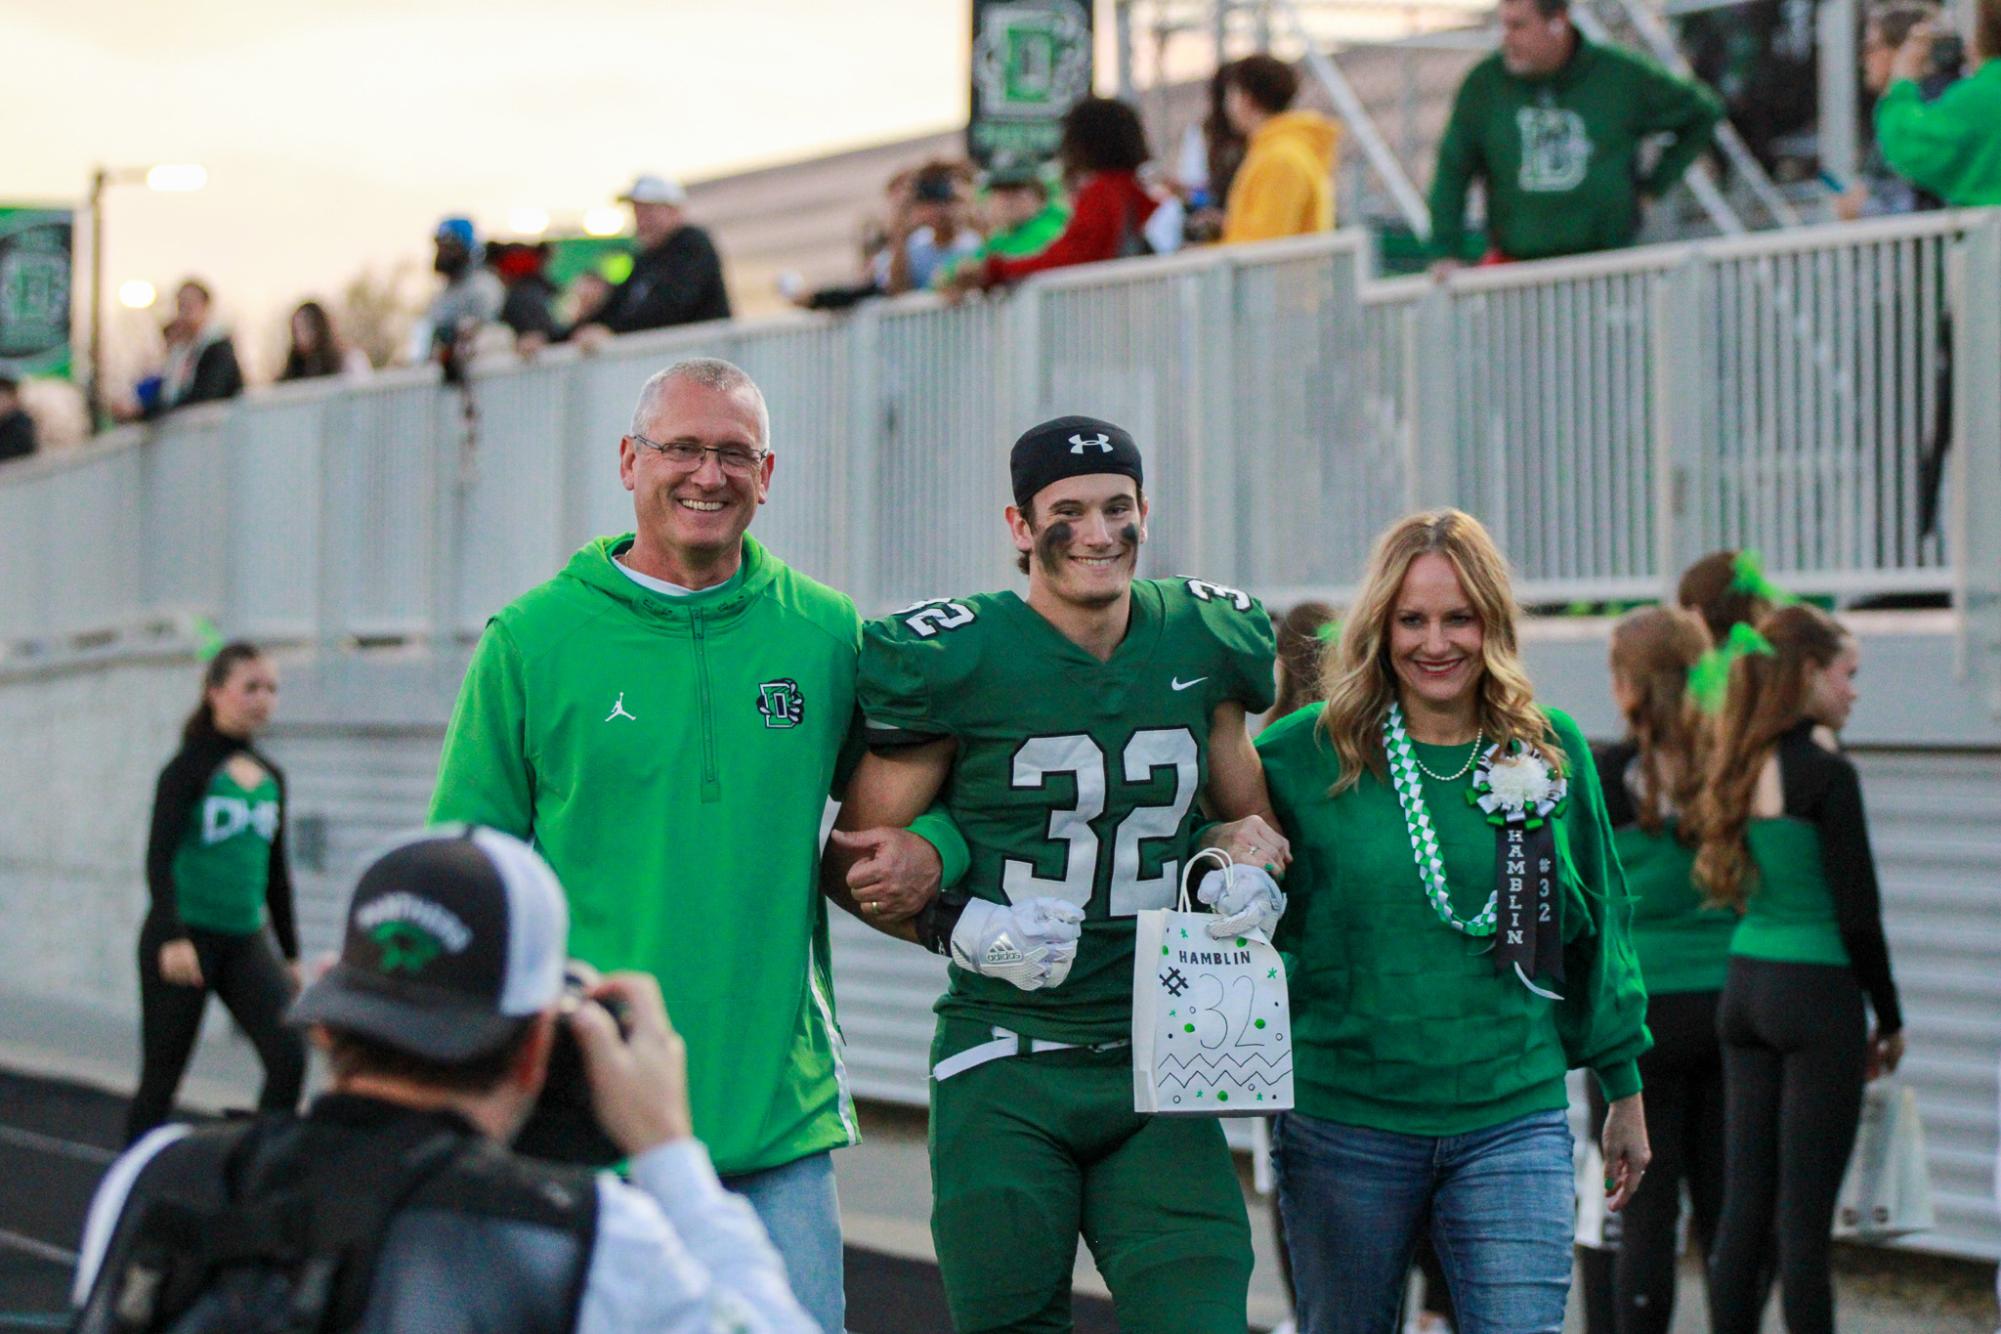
[
  {"x": 1560, "y": 154},
  {"x": 672, "y": 758},
  {"x": 1951, "y": 145}
]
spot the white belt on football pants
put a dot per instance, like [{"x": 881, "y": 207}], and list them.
[{"x": 1007, "y": 1044}]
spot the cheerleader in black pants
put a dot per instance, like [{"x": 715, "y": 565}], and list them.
[
  {"x": 1650, "y": 778},
  {"x": 1784, "y": 839},
  {"x": 221, "y": 895}
]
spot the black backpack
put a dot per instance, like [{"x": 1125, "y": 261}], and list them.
[{"x": 296, "y": 1259}]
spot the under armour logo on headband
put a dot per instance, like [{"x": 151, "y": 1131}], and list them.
[{"x": 1078, "y": 444}]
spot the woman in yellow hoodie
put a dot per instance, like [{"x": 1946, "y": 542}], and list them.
[{"x": 1286, "y": 185}]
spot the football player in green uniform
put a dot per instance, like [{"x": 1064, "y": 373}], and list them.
[{"x": 1069, "y": 735}]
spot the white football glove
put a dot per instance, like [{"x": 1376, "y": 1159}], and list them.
[
  {"x": 1031, "y": 944},
  {"x": 1245, "y": 898}
]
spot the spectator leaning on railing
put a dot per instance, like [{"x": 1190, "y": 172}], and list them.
[
  {"x": 929, "y": 226},
  {"x": 17, "y": 428},
  {"x": 1553, "y": 125},
  {"x": 1877, "y": 190},
  {"x": 1950, "y": 146},
  {"x": 317, "y": 348},
  {"x": 1102, "y": 150},
  {"x": 1285, "y": 186},
  {"x": 200, "y": 366},
  {"x": 1021, "y": 215},
  {"x": 676, "y": 278},
  {"x": 469, "y": 300},
  {"x": 530, "y": 305}
]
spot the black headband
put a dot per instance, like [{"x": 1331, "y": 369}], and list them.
[{"x": 1070, "y": 447}]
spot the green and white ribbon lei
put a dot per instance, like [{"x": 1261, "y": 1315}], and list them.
[{"x": 1423, "y": 838}]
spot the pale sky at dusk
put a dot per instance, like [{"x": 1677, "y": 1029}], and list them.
[{"x": 337, "y": 132}]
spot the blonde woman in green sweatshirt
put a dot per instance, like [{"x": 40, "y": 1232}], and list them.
[{"x": 1457, "y": 942}]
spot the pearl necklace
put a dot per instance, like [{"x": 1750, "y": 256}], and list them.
[{"x": 1464, "y": 769}]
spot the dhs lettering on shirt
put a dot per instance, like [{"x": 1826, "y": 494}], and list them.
[{"x": 223, "y": 818}]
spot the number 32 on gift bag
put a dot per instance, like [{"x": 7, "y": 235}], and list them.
[{"x": 1212, "y": 1030}]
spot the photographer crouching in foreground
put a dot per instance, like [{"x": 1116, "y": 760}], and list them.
[{"x": 394, "y": 1203}]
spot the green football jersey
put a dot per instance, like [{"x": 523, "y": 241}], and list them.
[{"x": 1074, "y": 778}]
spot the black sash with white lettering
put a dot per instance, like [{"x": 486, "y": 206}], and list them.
[{"x": 1529, "y": 932}]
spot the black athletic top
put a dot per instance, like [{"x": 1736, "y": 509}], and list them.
[
  {"x": 1821, "y": 788},
  {"x": 181, "y": 786}
]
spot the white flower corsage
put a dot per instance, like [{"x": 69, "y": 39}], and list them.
[{"x": 1518, "y": 788}]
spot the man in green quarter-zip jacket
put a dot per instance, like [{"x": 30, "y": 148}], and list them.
[
  {"x": 665, "y": 720},
  {"x": 1553, "y": 125}
]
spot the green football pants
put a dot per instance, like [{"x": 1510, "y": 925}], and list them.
[{"x": 1029, "y": 1151}]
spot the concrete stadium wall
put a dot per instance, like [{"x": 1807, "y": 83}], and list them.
[
  {"x": 83, "y": 747},
  {"x": 359, "y": 734}
]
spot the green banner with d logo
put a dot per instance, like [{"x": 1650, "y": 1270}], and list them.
[
  {"x": 1031, "y": 64},
  {"x": 35, "y": 245}
]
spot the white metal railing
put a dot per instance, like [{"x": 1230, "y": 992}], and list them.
[{"x": 1610, "y": 417}]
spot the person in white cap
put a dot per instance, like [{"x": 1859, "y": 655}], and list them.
[
  {"x": 394, "y": 1203},
  {"x": 676, "y": 278}
]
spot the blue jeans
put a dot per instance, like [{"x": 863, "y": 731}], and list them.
[
  {"x": 799, "y": 1208},
  {"x": 1498, "y": 1203}
]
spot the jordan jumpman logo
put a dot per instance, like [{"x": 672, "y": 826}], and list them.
[{"x": 618, "y": 710}]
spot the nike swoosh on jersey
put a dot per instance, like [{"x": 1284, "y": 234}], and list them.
[{"x": 1180, "y": 684}]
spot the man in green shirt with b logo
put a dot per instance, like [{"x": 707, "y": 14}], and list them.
[{"x": 1552, "y": 125}]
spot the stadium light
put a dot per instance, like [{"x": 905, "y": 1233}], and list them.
[
  {"x": 604, "y": 221},
  {"x": 137, "y": 294},
  {"x": 166, "y": 177},
  {"x": 176, "y": 177},
  {"x": 528, "y": 221}
]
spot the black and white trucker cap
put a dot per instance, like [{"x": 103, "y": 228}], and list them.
[{"x": 455, "y": 937}]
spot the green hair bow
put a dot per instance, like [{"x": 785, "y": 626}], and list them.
[
  {"x": 1330, "y": 632},
  {"x": 208, "y": 639},
  {"x": 1748, "y": 576},
  {"x": 1709, "y": 678},
  {"x": 1745, "y": 641}
]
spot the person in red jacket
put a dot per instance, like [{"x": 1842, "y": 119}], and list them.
[{"x": 1102, "y": 150}]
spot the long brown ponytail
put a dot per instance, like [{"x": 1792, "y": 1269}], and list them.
[
  {"x": 1301, "y": 650},
  {"x": 1768, "y": 695},
  {"x": 1652, "y": 651},
  {"x": 200, "y": 725},
  {"x": 1710, "y": 588}
]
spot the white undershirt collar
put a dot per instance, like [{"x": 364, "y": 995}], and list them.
[{"x": 666, "y": 587}]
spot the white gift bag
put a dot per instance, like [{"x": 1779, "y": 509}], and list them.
[
  {"x": 1212, "y": 1026},
  {"x": 1888, "y": 1191}
]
